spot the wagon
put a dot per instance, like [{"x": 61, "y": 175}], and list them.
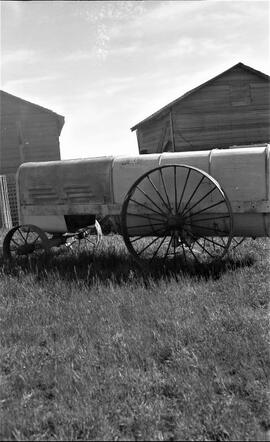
[{"x": 184, "y": 206}]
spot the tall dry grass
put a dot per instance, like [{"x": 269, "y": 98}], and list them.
[{"x": 93, "y": 348}]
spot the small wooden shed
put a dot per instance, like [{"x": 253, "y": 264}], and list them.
[
  {"x": 230, "y": 109},
  {"x": 29, "y": 132}
]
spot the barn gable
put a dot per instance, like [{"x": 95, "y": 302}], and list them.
[
  {"x": 22, "y": 105},
  {"x": 29, "y": 132},
  {"x": 231, "y": 108}
]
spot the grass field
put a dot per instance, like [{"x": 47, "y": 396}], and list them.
[{"x": 93, "y": 348}]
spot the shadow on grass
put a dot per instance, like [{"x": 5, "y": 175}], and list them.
[{"x": 108, "y": 266}]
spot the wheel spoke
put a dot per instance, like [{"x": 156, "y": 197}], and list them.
[
  {"x": 70, "y": 243},
  {"x": 198, "y": 202},
  {"x": 19, "y": 231},
  {"x": 148, "y": 245},
  {"x": 211, "y": 218},
  {"x": 137, "y": 238},
  {"x": 193, "y": 254},
  {"x": 146, "y": 207},
  {"x": 35, "y": 240},
  {"x": 143, "y": 236},
  {"x": 167, "y": 250},
  {"x": 222, "y": 239},
  {"x": 28, "y": 231},
  {"x": 156, "y": 252},
  {"x": 202, "y": 247},
  {"x": 154, "y": 232},
  {"x": 165, "y": 189},
  {"x": 207, "y": 238},
  {"x": 90, "y": 241},
  {"x": 192, "y": 195},
  {"x": 184, "y": 188},
  {"x": 175, "y": 191},
  {"x": 150, "y": 199},
  {"x": 206, "y": 228},
  {"x": 150, "y": 217},
  {"x": 209, "y": 207},
  {"x": 146, "y": 225},
  {"x": 159, "y": 194},
  {"x": 15, "y": 242},
  {"x": 237, "y": 243}
]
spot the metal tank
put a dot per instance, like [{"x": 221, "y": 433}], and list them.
[{"x": 52, "y": 193}]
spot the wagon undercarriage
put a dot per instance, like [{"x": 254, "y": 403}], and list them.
[{"x": 29, "y": 239}]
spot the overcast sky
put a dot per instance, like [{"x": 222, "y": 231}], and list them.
[{"x": 105, "y": 66}]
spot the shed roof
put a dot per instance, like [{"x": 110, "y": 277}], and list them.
[
  {"x": 187, "y": 94},
  {"x": 60, "y": 118}
]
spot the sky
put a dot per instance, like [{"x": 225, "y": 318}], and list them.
[{"x": 106, "y": 65}]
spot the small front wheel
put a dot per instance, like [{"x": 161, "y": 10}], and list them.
[
  {"x": 24, "y": 240},
  {"x": 87, "y": 238}
]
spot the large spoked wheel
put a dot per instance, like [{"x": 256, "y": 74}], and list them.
[
  {"x": 177, "y": 213},
  {"x": 24, "y": 240}
]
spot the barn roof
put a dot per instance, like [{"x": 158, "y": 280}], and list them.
[
  {"x": 187, "y": 94},
  {"x": 60, "y": 118}
]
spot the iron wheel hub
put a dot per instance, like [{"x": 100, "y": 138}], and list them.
[{"x": 175, "y": 221}]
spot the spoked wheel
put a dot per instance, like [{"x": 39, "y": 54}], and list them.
[
  {"x": 86, "y": 238},
  {"x": 236, "y": 241},
  {"x": 177, "y": 213},
  {"x": 24, "y": 240},
  {"x": 236, "y": 251}
]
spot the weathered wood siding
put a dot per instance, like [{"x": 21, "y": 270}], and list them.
[
  {"x": 233, "y": 109},
  {"x": 28, "y": 133},
  {"x": 151, "y": 136}
]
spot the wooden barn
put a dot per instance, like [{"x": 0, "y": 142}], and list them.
[
  {"x": 230, "y": 109},
  {"x": 29, "y": 132}
]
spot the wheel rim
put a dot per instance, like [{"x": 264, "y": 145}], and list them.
[
  {"x": 236, "y": 242},
  {"x": 177, "y": 213},
  {"x": 24, "y": 240},
  {"x": 87, "y": 238}
]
